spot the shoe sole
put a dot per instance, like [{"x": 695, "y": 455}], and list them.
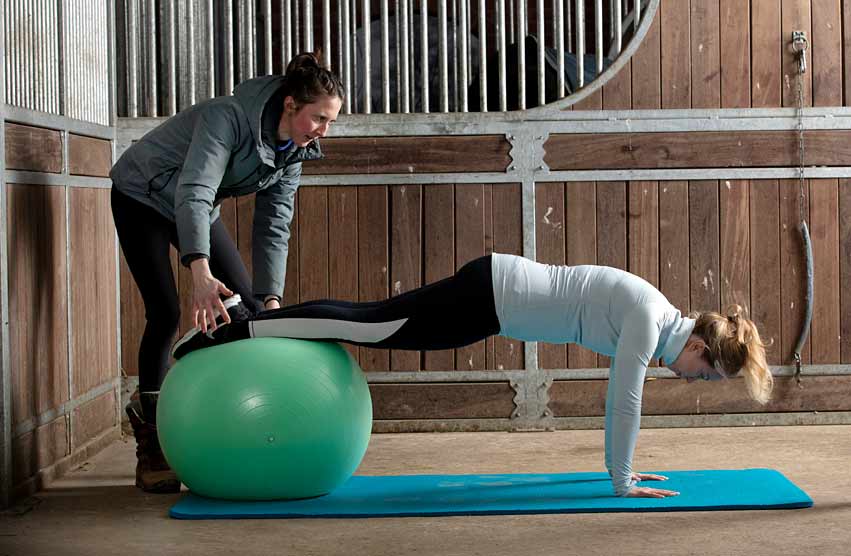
[{"x": 232, "y": 301}]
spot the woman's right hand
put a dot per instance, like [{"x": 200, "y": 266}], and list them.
[
  {"x": 647, "y": 492},
  {"x": 206, "y": 296}
]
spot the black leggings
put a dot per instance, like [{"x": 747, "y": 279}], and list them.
[
  {"x": 454, "y": 312},
  {"x": 145, "y": 236}
]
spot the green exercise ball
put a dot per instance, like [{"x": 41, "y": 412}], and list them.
[{"x": 265, "y": 419}]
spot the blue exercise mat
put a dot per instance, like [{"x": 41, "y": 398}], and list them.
[{"x": 432, "y": 495}]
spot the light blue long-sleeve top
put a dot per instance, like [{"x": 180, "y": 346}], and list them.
[{"x": 607, "y": 310}]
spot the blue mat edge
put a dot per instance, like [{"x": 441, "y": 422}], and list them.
[{"x": 806, "y": 502}]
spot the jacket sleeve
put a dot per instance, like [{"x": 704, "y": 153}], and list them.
[
  {"x": 207, "y": 158},
  {"x": 636, "y": 345},
  {"x": 273, "y": 214}
]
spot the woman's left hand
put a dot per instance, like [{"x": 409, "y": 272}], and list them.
[{"x": 648, "y": 477}]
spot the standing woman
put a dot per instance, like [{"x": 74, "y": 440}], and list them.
[
  {"x": 607, "y": 310},
  {"x": 167, "y": 188}
]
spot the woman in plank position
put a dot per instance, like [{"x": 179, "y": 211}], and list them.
[{"x": 607, "y": 310}]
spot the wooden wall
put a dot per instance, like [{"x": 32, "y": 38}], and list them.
[
  {"x": 62, "y": 304},
  {"x": 704, "y": 243}
]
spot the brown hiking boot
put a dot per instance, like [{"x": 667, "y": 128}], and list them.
[{"x": 153, "y": 473}]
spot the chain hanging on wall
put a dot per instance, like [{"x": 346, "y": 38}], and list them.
[{"x": 800, "y": 45}]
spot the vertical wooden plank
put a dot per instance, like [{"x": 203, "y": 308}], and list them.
[
  {"x": 593, "y": 101},
  {"x": 313, "y": 243},
  {"x": 765, "y": 263},
  {"x": 550, "y": 249},
  {"x": 581, "y": 240},
  {"x": 94, "y": 349},
  {"x": 439, "y": 253},
  {"x": 705, "y": 54},
  {"x": 372, "y": 261},
  {"x": 735, "y": 243},
  {"x": 489, "y": 249},
  {"x": 826, "y": 45},
  {"x": 676, "y": 39},
  {"x": 647, "y": 70},
  {"x": 244, "y": 213},
  {"x": 37, "y": 299},
  {"x": 766, "y": 90},
  {"x": 795, "y": 17},
  {"x": 845, "y": 268},
  {"x": 674, "y": 236},
  {"x": 793, "y": 265},
  {"x": 643, "y": 230},
  {"x": 703, "y": 246},
  {"x": 735, "y": 54},
  {"x": 507, "y": 238},
  {"x": 343, "y": 247},
  {"x": 612, "y": 213},
  {"x": 617, "y": 92},
  {"x": 824, "y": 229},
  {"x": 469, "y": 244},
  {"x": 406, "y": 249}
]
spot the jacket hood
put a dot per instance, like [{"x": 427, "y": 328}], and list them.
[{"x": 253, "y": 95}]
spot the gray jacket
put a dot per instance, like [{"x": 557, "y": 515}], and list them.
[{"x": 219, "y": 148}]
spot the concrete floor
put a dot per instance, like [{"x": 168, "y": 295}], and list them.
[{"x": 96, "y": 511}]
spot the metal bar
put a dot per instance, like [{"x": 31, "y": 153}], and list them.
[
  {"x": 442, "y": 60},
  {"x": 211, "y": 49},
  {"x": 511, "y": 26},
  {"x": 404, "y": 58},
  {"x": 618, "y": 19},
  {"x": 579, "y": 176},
  {"x": 580, "y": 43},
  {"x": 267, "y": 36},
  {"x": 326, "y": 31},
  {"x": 462, "y": 56},
  {"x": 170, "y": 55},
  {"x": 560, "y": 48},
  {"x": 412, "y": 62},
  {"x": 500, "y": 22},
  {"x": 341, "y": 66},
  {"x": 132, "y": 61},
  {"x": 542, "y": 82},
  {"x": 61, "y": 179},
  {"x": 297, "y": 27},
  {"x": 308, "y": 25},
  {"x": 569, "y": 22},
  {"x": 367, "y": 58},
  {"x": 586, "y": 423},
  {"x": 112, "y": 106},
  {"x": 599, "y": 373},
  {"x": 227, "y": 48},
  {"x": 347, "y": 65},
  {"x": 355, "y": 77},
  {"x": 637, "y": 21},
  {"x": 483, "y": 57},
  {"x": 424, "y": 57},
  {"x": 521, "y": 56},
  {"x": 151, "y": 46},
  {"x": 287, "y": 33},
  {"x": 66, "y": 408},
  {"x": 397, "y": 18},
  {"x": 385, "y": 57},
  {"x": 454, "y": 53},
  {"x": 598, "y": 34}
]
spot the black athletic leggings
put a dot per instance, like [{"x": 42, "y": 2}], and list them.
[
  {"x": 454, "y": 312},
  {"x": 145, "y": 236}
]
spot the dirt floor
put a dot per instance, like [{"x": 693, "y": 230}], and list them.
[{"x": 96, "y": 510}]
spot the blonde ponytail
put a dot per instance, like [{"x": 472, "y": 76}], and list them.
[{"x": 734, "y": 344}]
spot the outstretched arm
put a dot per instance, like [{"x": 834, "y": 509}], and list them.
[{"x": 638, "y": 340}]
